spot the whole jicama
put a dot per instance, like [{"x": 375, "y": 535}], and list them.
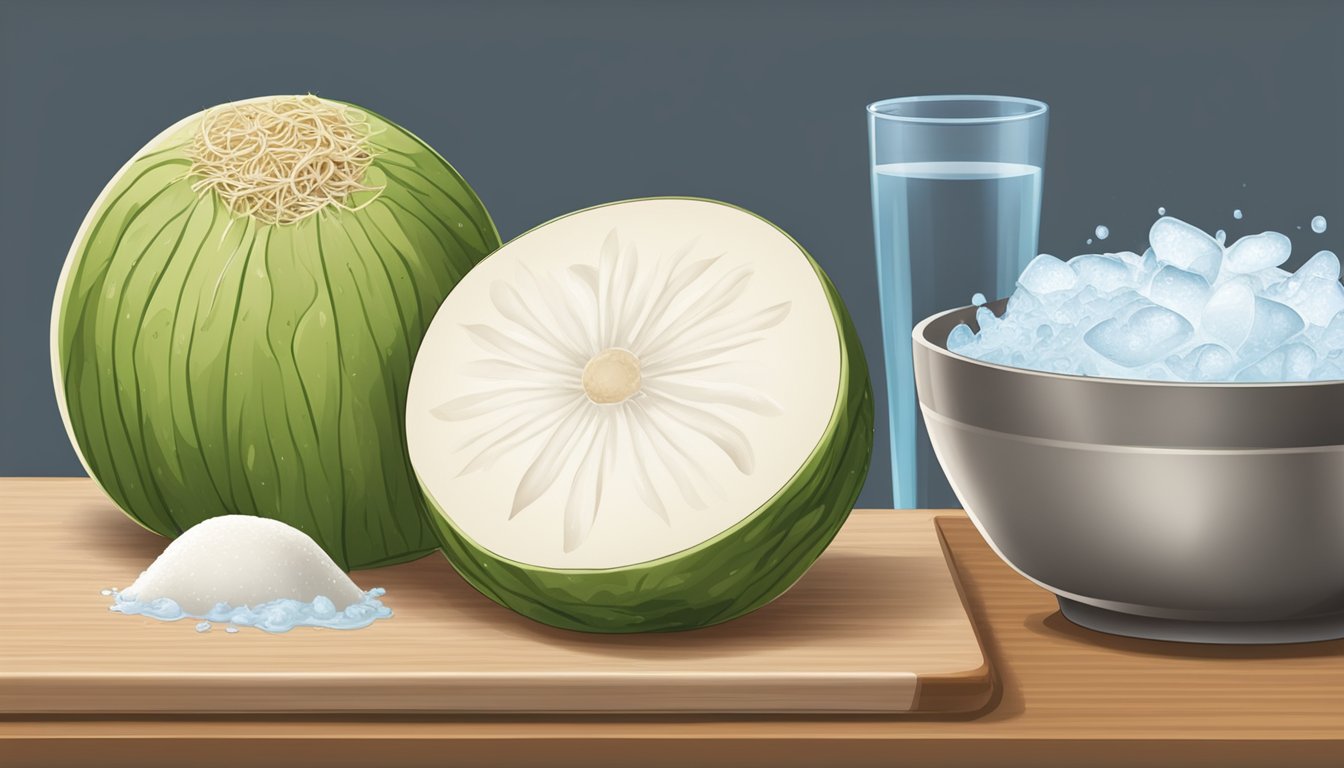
[{"x": 235, "y": 324}]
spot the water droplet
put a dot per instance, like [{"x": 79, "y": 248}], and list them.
[
  {"x": 231, "y": 630},
  {"x": 1317, "y": 224},
  {"x": 204, "y": 626},
  {"x": 978, "y": 299},
  {"x": 1161, "y": 211},
  {"x": 1237, "y": 213},
  {"x": 1220, "y": 236},
  {"x": 1103, "y": 231},
  {"x": 1089, "y": 241}
]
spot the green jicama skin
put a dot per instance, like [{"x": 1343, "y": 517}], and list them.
[{"x": 234, "y": 328}]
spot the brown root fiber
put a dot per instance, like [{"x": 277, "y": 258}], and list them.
[{"x": 283, "y": 159}]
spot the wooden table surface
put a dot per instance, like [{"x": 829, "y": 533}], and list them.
[
  {"x": 1067, "y": 697},
  {"x": 877, "y": 627}
]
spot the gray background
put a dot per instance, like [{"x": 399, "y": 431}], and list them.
[{"x": 548, "y": 107}]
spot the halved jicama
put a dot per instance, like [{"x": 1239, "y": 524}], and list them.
[{"x": 649, "y": 415}]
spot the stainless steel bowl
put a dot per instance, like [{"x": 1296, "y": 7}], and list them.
[{"x": 1191, "y": 512}]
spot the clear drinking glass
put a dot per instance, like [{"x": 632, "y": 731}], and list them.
[{"x": 956, "y": 210}]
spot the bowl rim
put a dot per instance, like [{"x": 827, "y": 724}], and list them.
[{"x": 921, "y": 337}]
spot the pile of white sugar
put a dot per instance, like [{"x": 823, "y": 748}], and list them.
[{"x": 249, "y": 571}]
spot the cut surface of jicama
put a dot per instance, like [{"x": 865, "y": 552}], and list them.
[{"x": 652, "y": 414}]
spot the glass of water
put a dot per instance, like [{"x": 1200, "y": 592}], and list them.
[{"x": 956, "y": 209}]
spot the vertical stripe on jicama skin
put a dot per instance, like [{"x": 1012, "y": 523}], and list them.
[
  {"x": 210, "y": 364},
  {"x": 102, "y": 390}
]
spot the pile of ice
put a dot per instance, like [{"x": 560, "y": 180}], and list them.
[
  {"x": 1187, "y": 309},
  {"x": 253, "y": 572}
]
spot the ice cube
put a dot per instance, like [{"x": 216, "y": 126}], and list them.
[
  {"x": 1182, "y": 365},
  {"x": 986, "y": 319},
  {"x": 1106, "y": 272},
  {"x": 1130, "y": 258},
  {"x": 1291, "y": 362},
  {"x": 1274, "y": 323},
  {"x": 1158, "y": 373},
  {"x": 961, "y": 336},
  {"x": 1327, "y": 370},
  {"x": 1256, "y": 252},
  {"x": 1333, "y": 338},
  {"x": 1322, "y": 266},
  {"x": 1149, "y": 335},
  {"x": 1119, "y": 305},
  {"x": 1316, "y": 299},
  {"x": 1046, "y": 275},
  {"x": 1022, "y": 302},
  {"x": 1179, "y": 290},
  {"x": 1229, "y": 313},
  {"x": 1076, "y": 307},
  {"x": 1298, "y": 362},
  {"x": 1148, "y": 266},
  {"x": 1266, "y": 280},
  {"x": 1213, "y": 363},
  {"x": 1190, "y": 248},
  {"x": 1325, "y": 264}
]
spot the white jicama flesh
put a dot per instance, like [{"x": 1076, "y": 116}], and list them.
[{"x": 622, "y": 386}]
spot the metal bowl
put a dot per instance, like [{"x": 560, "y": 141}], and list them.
[{"x": 1191, "y": 512}]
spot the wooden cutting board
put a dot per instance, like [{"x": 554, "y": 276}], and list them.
[{"x": 877, "y": 626}]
